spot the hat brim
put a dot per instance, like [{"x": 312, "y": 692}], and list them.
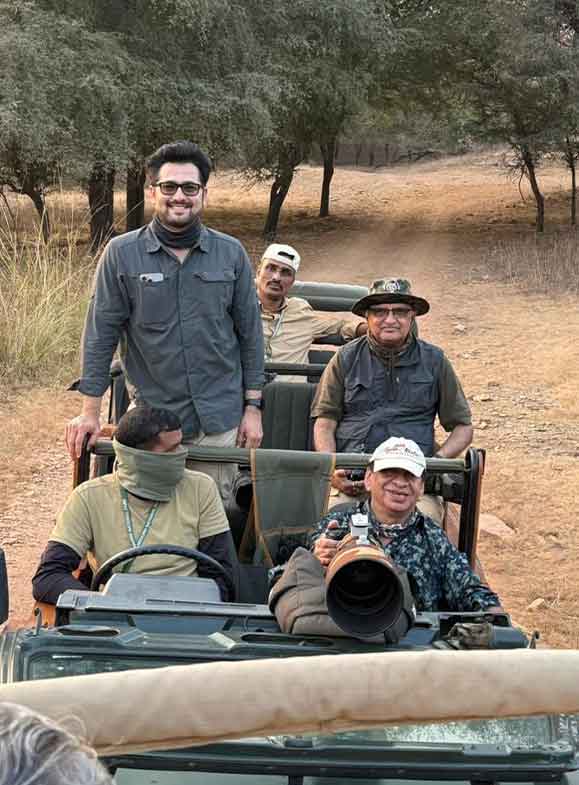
[
  {"x": 418, "y": 304},
  {"x": 399, "y": 463}
]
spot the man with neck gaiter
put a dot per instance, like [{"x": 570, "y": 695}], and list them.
[
  {"x": 389, "y": 383},
  {"x": 179, "y": 302},
  {"x": 150, "y": 499}
]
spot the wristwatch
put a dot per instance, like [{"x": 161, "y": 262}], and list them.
[{"x": 257, "y": 403}]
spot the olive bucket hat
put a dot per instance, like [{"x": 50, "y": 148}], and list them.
[{"x": 391, "y": 290}]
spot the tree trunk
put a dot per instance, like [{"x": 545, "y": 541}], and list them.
[
  {"x": 539, "y": 198},
  {"x": 136, "y": 177},
  {"x": 38, "y": 200},
  {"x": 358, "y": 153},
  {"x": 328, "y": 155},
  {"x": 278, "y": 192},
  {"x": 371, "y": 155},
  {"x": 573, "y": 193},
  {"x": 101, "y": 203},
  {"x": 571, "y": 163},
  {"x": 289, "y": 157},
  {"x": 31, "y": 187}
]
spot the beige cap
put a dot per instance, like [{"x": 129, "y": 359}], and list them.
[
  {"x": 284, "y": 254},
  {"x": 399, "y": 453}
]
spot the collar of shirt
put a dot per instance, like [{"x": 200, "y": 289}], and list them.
[
  {"x": 152, "y": 243},
  {"x": 273, "y": 315},
  {"x": 392, "y": 531}
]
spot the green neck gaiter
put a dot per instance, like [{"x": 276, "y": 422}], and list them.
[{"x": 150, "y": 475}]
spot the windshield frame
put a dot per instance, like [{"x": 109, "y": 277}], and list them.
[{"x": 461, "y": 762}]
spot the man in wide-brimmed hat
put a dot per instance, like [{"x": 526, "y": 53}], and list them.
[{"x": 389, "y": 383}]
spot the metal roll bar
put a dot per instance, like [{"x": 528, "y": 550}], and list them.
[{"x": 471, "y": 469}]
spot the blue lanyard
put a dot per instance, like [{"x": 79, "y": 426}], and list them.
[{"x": 129, "y": 521}]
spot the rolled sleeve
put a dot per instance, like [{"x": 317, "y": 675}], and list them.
[
  {"x": 108, "y": 312},
  {"x": 453, "y": 407},
  {"x": 329, "y": 400},
  {"x": 247, "y": 322}
]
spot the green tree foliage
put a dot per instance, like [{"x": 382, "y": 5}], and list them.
[
  {"x": 91, "y": 87},
  {"x": 327, "y": 59},
  {"x": 514, "y": 78},
  {"x": 58, "y": 94}
]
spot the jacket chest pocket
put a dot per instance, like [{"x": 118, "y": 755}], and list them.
[
  {"x": 154, "y": 302},
  {"x": 213, "y": 290},
  {"x": 356, "y": 396},
  {"x": 419, "y": 390}
]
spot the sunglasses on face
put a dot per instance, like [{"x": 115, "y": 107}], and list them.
[{"x": 169, "y": 188}]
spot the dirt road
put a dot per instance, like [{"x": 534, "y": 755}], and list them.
[{"x": 515, "y": 353}]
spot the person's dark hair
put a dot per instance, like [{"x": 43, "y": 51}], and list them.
[
  {"x": 140, "y": 426},
  {"x": 181, "y": 152}
]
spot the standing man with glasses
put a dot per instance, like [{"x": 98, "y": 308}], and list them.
[
  {"x": 179, "y": 302},
  {"x": 389, "y": 383}
]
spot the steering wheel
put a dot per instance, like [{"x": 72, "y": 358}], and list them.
[{"x": 104, "y": 571}]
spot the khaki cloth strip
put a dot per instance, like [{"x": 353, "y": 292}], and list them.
[
  {"x": 181, "y": 706},
  {"x": 290, "y": 494}
]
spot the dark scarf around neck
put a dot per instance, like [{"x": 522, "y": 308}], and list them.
[
  {"x": 384, "y": 354},
  {"x": 188, "y": 238}
]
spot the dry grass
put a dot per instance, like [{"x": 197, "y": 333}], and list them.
[
  {"x": 43, "y": 297},
  {"x": 538, "y": 263}
]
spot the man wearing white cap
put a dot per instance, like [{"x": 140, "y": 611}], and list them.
[
  {"x": 290, "y": 325},
  {"x": 439, "y": 574}
]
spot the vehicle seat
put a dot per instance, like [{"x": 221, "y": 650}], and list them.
[{"x": 286, "y": 416}]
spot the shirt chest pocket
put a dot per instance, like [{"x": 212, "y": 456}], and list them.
[
  {"x": 154, "y": 302},
  {"x": 212, "y": 290}
]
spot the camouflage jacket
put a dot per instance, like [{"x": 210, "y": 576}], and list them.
[{"x": 439, "y": 574}]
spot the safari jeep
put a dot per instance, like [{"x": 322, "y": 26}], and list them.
[{"x": 290, "y": 708}]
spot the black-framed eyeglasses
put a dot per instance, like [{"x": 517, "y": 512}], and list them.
[{"x": 169, "y": 188}]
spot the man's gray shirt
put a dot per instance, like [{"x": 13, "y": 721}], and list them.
[{"x": 189, "y": 334}]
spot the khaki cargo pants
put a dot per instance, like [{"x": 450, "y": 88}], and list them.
[{"x": 222, "y": 473}]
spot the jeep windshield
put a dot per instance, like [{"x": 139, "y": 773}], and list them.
[{"x": 537, "y": 749}]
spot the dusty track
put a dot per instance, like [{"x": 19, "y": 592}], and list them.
[{"x": 516, "y": 354}]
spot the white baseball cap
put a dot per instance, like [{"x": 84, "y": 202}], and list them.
[
  {"x": 399, "y": 453},
  {"x": 284, "y": 254}
]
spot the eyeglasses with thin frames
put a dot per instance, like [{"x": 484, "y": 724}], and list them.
[
  {"x": 169, "y": 188},
  {"x": 397, "y": 313}
]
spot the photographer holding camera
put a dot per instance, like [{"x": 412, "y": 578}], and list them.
[{"x": 439, "y": 575}]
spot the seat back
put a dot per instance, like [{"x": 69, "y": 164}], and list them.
[
  {"x": 286, "y": 416},
  {"x": 290, "y": 494}
]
